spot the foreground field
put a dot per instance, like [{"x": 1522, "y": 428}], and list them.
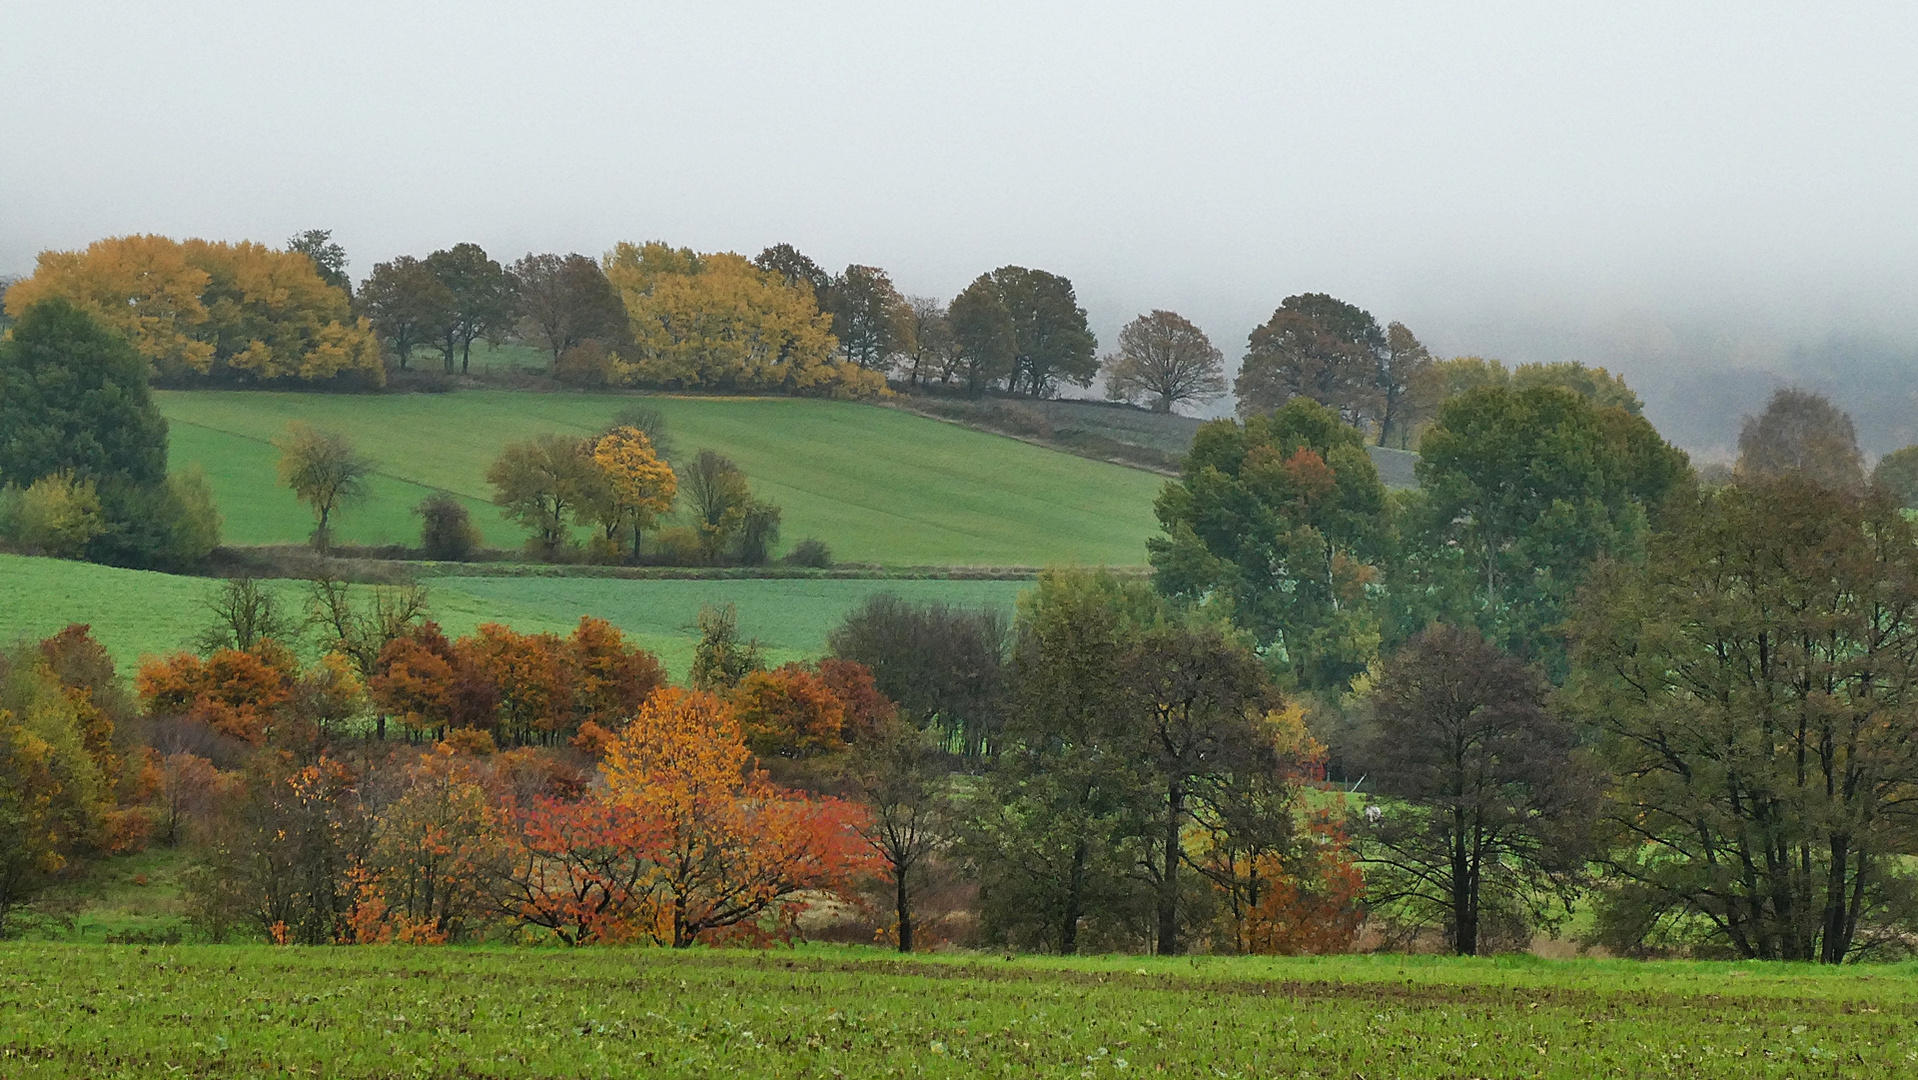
[
  {"x": 878, "y": 485},
  {"x": 98, "y": 1011},
  {"x": 136, "y": 613}
]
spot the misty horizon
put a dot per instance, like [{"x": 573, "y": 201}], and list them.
[{"x": 1711, "y": 202}]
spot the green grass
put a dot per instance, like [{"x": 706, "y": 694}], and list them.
[
  {"x": 878, "y": 485},
  {"x": 136, "y": 613},
  {"x": 113, "y": 1011}
]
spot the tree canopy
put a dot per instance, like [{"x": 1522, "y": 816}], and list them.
[{"x": 200, "y": 310}]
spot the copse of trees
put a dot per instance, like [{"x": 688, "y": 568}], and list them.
[
  {"x": 83, "y": 449},
  {"x": 202, "y": 312}
]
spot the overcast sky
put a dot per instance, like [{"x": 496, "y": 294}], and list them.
[{"x": 1711, "y": 197}]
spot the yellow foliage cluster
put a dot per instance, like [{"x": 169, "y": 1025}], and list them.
[
  {"x": 201, "y": 307},
  {"x": 719, "y": 322}
]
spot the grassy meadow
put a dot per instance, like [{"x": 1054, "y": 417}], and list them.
[
  {"x": 123, "y": 1011},
  {"x": 877, "y": 485},
  {"x": 136, "y": 613}
]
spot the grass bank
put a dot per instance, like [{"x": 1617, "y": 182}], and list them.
[
  {"x": 877, "y": 485},
  {"x": 111, "y": 1011}
]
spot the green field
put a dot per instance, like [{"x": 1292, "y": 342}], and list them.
[
  {"x": 136, "y": 613},
  {"x": 122, "y": 1011},
  {"x": 878, "y": 485}
]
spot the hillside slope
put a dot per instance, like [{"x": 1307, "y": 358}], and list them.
[
  {"x": 878, "y": 485},
  {"x": 137, "y": 613}
]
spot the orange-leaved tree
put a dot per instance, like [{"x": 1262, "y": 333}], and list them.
[
  {"x": 582, "y": 870},
  {"x": 789, "y": 712},
  {"x": 610, "y": 679},
  {"x": 437, "y": 849},
  {"x": 730, "y": 847},
  {"x": 529, "y": 678},
  {"x": 238, "y": 694}
]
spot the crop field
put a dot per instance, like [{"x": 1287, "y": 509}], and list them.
[
  {"x": 136, "y": 613},
  {"x": 122, "y": 1011},
  {"x": 877, "y": 485}
]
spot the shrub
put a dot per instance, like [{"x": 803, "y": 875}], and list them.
[
  {"x": 57, "y": 515},
  {"x": 812, "y": 552},
  {"x": 447, "y": 532},
  {"x": 587, "y": 364},
  {"x": 758, "y": 532}
]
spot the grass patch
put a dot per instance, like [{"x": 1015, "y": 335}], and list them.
[
  {"x": 878, "y": 485},
  {"x": 77, "y": 1010},
  {"x": 136, "y": 613}
]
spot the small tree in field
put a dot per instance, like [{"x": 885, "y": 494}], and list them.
[
  {"x": 447, "y": 532},
  {"x": 324, "y": 471}
]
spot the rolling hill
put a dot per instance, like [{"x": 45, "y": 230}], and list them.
[
  {"x": 878, "y": 485},
  {"x": 136, "y": 613}
]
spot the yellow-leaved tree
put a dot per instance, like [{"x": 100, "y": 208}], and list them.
[
  {"x": 202, "y": 309},
  {"x": 639, "y": 486},
  {"x": 719, "y": 322}
]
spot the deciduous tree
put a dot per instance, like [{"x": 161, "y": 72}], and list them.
[
  {"x": 1314, "y": 346},
  {"x": 1166, "y": 359},
  {"x": 541, "y": 483},
  {"x": 1804, "y": 434},
  {"x": 329, "y": 258},
  {"x": 1400, "y": 381},
  {"x": 640, "y": 488},
  {"x": 945, "y": 666},
  {"x": 480, "y": 299},
  {"x": 1483, "y": 797},
  {"x": 873, "y": 323},
  {"x": 324, "y": 471},
  {"x": 1751, "y": 679},
  {"x": 565, "y": 300},
  {"x": 1284, "y": 517},
  {"x": 197, "y": 309}
]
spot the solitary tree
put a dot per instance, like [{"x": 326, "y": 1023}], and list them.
[
  {"x": 639, "y": 486},
  {"x": 1801, "y": 433},
  {"x": 1482, "y": 797},
  {"x": 74, "y": 398},
  {"x": 541, "y": 483},
  {"x": 1166, "y": 359},
  {"x": 718, "y": 499},
  {"x": 903, "y": 779},
  {"x": 324, "y": 471}
]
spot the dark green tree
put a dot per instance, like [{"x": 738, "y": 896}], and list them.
[
  {"x": 74, "y": 398},
  {"x": 564, "y": 300},
  {"x": 984, "y": 343},
  {"x": 946, "y": 667},
  {"x": 1283, "y": 519},
  {"x": 482, "y": 299},
  {"x": 1751, "y": 683},
  {"x": 1520, "y": 492},
  {"x": 873, "y": 323},
  {"x": 1480, "y": 826},
  {"x": 408, "y": 305},
  {"x": 1314, "y": 346},
  {"x": 1055, "y": 831},
  {"x": 792, "y": 264},
  {"x": 328, "y": 257}
]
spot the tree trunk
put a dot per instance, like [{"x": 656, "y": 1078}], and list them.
[
  {"x": 902, "y": 906},
  {"x": 1169, "y": 876},
  {"x": 1075, "y": 887},
  {"x": 1464, "y": 896}
]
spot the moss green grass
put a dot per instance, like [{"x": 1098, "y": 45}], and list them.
[
  {"x": 112, "y": 1011},
  {"x": 136, "y": 613},
  {"x": 878, "y": 485}
]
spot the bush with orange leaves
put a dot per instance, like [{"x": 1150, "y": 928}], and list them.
[
  {"x": 436, "y": 851},
  {"x": 237, "y": 694},
  {"x": 522, "y": 689},
  {"x": 685, "y": 842}
]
